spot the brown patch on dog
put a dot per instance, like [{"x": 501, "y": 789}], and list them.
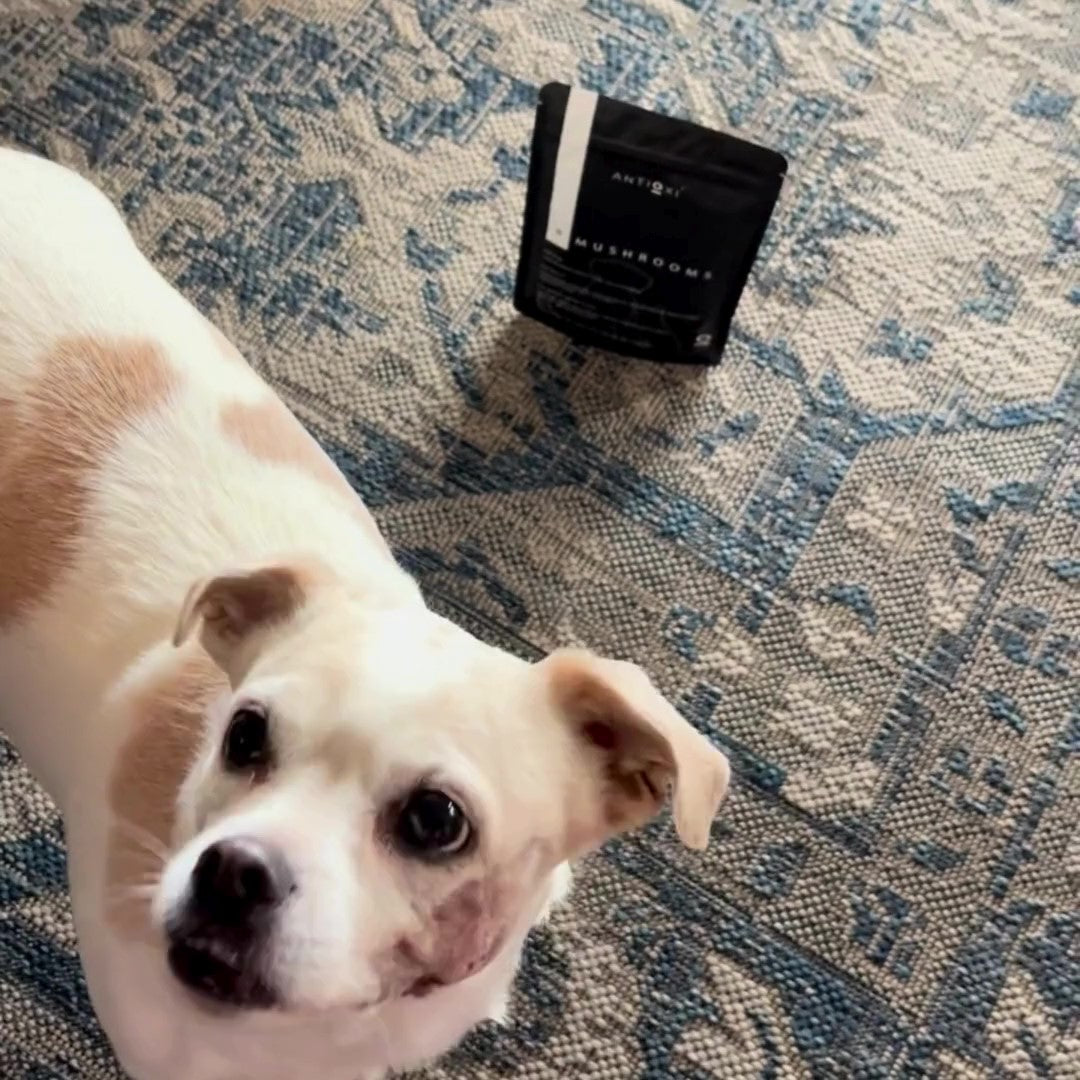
[
  {"x": 52, "y": 443},
  {"x": 7, "y": 431},
  {"x": 344, "y": 754},
  {"x": 461, "y": 936},
  {"x": 269, "y": 432},
  {"x": 168, "y": 722}
]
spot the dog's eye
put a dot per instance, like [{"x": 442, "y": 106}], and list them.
[
  {"x": 430, "y": 824},
  {"x": 247, "y": 742}
]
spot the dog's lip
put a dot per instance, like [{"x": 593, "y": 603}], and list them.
[
  {"x": 215, "y": 949},
  {"x": 423, "y": 986},
  {"x": 216, "y": 973}
]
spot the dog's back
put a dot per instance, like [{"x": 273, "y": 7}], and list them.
[{"x": 138, "y": 451}]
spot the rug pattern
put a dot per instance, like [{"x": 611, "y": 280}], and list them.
[{"x": 851, "y": 553}]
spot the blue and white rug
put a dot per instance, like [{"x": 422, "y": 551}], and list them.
[{"x": 851, "y": 553}]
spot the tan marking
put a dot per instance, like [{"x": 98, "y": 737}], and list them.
[
  {"x": 7, "y": 432},
  {"x": 344, "y": 754},
  {"x": 168, "y": 723},
  {"x": 52, "y": 445},
  {"x": 270, "y": 433}
]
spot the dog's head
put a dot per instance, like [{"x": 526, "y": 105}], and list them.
[{"x": 352, "y": 805}]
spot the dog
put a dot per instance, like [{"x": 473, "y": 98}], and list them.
[{"x": 310, "y": 822}]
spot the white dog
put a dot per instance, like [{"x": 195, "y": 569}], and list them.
[{"x": 310, "y": 822}]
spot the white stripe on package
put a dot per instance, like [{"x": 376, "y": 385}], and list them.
[{"x": 570, "y": 165}]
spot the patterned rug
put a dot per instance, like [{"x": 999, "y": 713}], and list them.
[{"x": 850, "y": 553}]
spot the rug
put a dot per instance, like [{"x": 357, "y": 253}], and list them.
[{"x": 850, "y": 553}]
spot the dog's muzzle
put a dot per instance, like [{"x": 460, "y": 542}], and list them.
[{"x": 218, "y": 938}]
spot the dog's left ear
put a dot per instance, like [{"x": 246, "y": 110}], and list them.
[
  {"x": 232, "y": 607},
  {"x": 638, "y": 746}
]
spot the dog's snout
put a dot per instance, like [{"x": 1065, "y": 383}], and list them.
[
  {"x": 218, "y": 938},
  {"x": 237, "y": 878}
]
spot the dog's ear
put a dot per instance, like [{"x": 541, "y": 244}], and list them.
[
  {"x": 232, "y": 606},
  {"x": 637, "y": 746}
]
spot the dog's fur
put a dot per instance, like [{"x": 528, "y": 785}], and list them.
[{"x": 173, "y": 545}]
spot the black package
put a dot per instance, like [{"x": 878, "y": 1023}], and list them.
[{"x": 640, "y": 230}]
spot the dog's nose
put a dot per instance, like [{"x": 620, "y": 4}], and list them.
[{"x": 235, "y": 879}]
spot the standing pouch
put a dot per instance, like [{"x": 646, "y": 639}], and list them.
[{"x": 640, "y": 230}]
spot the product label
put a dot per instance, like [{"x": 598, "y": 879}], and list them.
[{"x": 645, "y": 249}]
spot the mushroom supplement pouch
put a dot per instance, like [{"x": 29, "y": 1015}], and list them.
[{"x": 640, "y": 230}]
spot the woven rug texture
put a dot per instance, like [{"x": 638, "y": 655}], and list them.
[{"x": 851, "y": 553}]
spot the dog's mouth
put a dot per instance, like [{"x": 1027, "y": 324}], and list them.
[
  {"x": 423, "y": 986},
  {"x": 220, "y": 974}
]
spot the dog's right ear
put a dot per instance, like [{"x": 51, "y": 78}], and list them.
[{"x": 233, "y": 606}]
